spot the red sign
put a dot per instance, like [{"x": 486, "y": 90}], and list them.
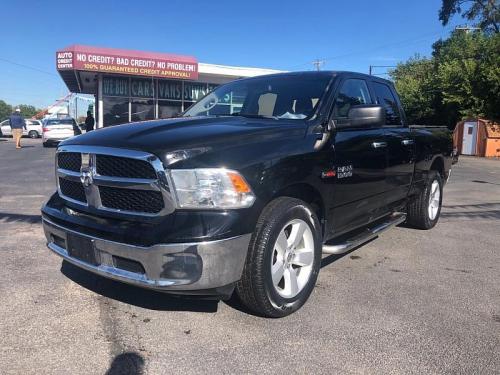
[{"x": 138, "y": 63}]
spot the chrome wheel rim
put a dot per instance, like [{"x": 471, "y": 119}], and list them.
[
  {"x": 434, "y": 198},
  {"x": 292, "y": 259}
]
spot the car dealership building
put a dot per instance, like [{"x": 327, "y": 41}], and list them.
[{"x": 136, "y": 85}]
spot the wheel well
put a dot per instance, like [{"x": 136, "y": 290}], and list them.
[
  {"x": 305, "y": 193},
  {"x": 438, "y": 166}
]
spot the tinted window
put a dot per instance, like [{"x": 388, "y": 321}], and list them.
[
  {"x": 65, "y": 121},
  {"x": 353, "y": 92},
  {"x": 386, "y": 99}
]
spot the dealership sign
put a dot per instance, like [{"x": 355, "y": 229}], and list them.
[{"x": 138, "y": 63}]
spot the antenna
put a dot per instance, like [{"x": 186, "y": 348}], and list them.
[{"x": 467, "y": 29}]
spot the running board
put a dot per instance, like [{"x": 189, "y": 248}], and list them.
[{"x": 368, "y": 234}]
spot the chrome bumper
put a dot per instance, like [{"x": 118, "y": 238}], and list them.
[{"x": 170, "y": 267}]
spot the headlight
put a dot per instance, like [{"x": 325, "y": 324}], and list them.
[{"x": 211, "y": 188}]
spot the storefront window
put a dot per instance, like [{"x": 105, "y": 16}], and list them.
[
  {"x": 169, "y": 108},
  {"x": 115, "y": 86},
  {"x": 115, "y": 111},
  {"x": 142, "y": 95},
  {"x": 142, "y": 88},
  {"x": 171, "y": 90},
  {"x": 143, "y": 109}
]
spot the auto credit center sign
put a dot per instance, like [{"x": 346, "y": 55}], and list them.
[{"x": 110, "y": 60}]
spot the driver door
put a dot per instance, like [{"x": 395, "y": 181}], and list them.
[{"x": 360, "y": 156}]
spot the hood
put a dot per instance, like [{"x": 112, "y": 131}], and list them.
[{"x": 215, "y": 133}]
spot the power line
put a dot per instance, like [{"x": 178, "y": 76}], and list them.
[
  {"x": 27, "y": 67},
  {"x": 418, "y": 39},
  {"x": 370, "y": 70}
]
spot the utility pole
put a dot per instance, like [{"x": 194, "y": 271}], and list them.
[
  {"x": 318, "y": 63},
  {"x": 467, "y": 29}
]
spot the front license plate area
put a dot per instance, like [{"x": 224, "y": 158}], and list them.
[{"x": 81, "y": 248}]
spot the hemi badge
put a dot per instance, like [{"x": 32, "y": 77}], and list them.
[{"x": 328, "y": 174}]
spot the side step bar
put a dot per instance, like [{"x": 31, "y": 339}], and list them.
[{"x": 369, "y": 233}]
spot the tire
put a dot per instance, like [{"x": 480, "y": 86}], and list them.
[
  {"x": 33, "y": 134},
  {"x": 279, "y": 298},
  {"x": 419, "y": 212},
  {"x": 46, "y": 144}
]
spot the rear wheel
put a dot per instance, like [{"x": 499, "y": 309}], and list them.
[
  {"x": 33, "y": 134},
  {"x": 424, "y": 212},
  {"x": 46, "y": 144},
  {"x": 283, "y": 259}
]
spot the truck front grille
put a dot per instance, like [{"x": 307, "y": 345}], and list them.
[
  {"x": 72, "y": 189},
  {"x": 71, "y": 161},
  {"x": 116, "y": 180},
  {"x": 131, "y": 200},
  {"x": 120, "y": 167}
]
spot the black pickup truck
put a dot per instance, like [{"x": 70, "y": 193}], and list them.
[{"x": 247, "y": 190}]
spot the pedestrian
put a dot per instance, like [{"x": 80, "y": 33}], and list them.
[
  {"x": 89, "y": 122},
  {"x": 17, "y": 124}
]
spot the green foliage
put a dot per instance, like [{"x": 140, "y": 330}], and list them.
[
  {"x": 415, "y": 82},
  {"x": 27, "y": 110},
  {"x": 460, "y": 80},
  {"x": 485, "y": 13},
  {"x": 5, "y": 110}
]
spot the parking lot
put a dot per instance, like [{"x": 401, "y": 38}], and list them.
[{"x": 408, "y": 302}]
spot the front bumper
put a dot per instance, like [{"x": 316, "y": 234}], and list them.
[{"x": 195, "y": 266}]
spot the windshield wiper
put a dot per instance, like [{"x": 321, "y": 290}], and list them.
[{"x": 251, "y": 115}]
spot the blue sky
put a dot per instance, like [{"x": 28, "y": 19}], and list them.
[{"x": 284, "y": 35}]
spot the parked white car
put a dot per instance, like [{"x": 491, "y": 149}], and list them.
[
  {"x": 33, "y": 128},
  {"x": 58, "y": 129}
]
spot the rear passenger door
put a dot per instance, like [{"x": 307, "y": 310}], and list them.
[
  {"x": 401, "y": 148},
  {"x": 360, "y": 160}
]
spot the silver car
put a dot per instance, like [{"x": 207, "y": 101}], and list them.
[
  {"x": 58, "y": 129},
  {"x": 33, "y": 129}
]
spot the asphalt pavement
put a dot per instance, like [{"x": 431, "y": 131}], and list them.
[{"x": 410, "y": 301}]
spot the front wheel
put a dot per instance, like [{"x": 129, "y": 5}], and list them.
[
  {"x": 283, "y": 259},
  {"x": 33, "y": 134},
  {"x": 424, "y": 211}
]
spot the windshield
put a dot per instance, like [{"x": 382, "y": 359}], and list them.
[{"x": 293, "y": 96}]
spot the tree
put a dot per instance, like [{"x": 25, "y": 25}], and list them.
[
  {"x": 415, "y": 82},
  {"x": 486, "y": 13},
  {"x": 460, "y": 80},
  {"x": 5, "y": 110},
  {"x": 27, "y": 110},
  {"x": 468, "y": 71}
]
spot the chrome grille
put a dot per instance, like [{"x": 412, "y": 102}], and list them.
[{"x": 114, "y": 180}]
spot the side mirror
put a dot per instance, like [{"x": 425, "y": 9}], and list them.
[{"x": 364, "y": 115}]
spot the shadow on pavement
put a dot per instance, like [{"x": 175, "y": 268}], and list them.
[
  {"x": 7, "y": 217},
  {"x": 492, "y": 214},
  {"x": 473, "y": 211},
  {"x": 129, "y": 363},
  {"x": 145, "y": 298},
  {"x": 484, "y": 182}
]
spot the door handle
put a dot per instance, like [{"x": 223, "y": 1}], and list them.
[
  {"x": 407, "y": 142},
  {"x": 379, "y": 144}
]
